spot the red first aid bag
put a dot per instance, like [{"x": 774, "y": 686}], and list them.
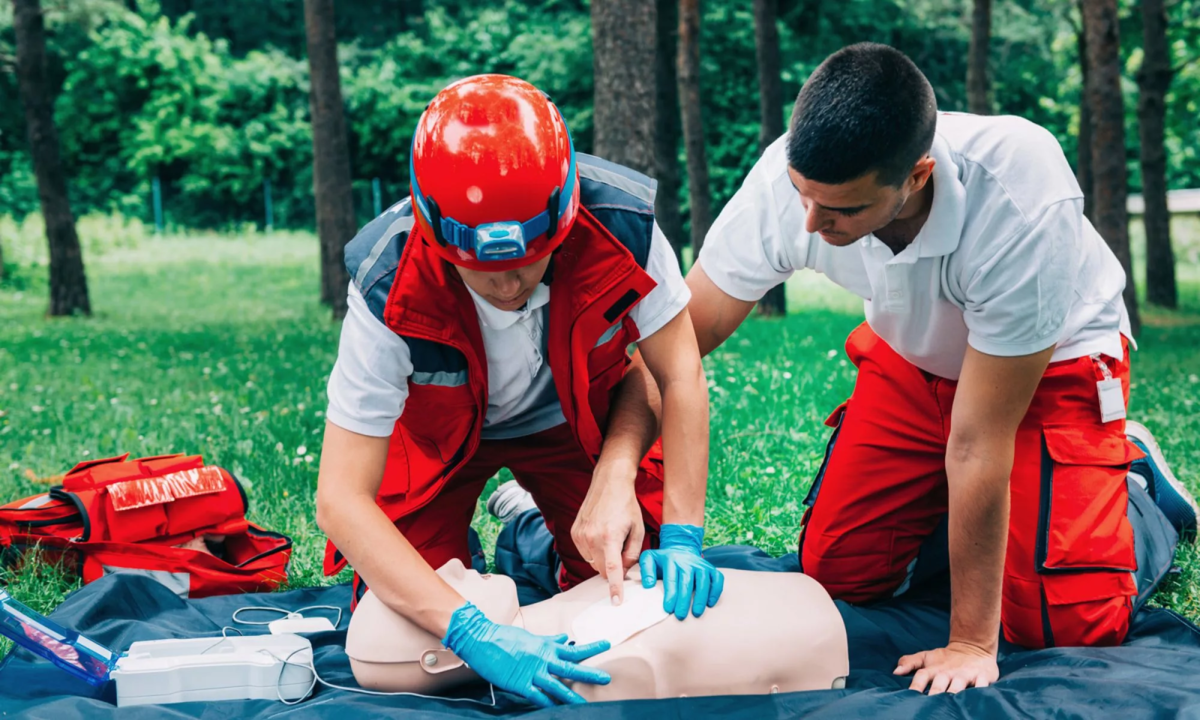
[{"x": 131, "y": 516}]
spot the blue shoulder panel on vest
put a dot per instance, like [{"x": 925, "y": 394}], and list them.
[
  {"x": 372, "y": 258},
  {"x": 374, "y": 253},
  {"x": 435, "y": 364},
  {"x": 621, "y": 199}
]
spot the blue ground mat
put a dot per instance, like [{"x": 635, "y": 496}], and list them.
[{"x": 1156, "y": 673}]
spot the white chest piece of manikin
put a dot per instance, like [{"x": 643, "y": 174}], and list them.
[{"x": 641, "y": 609}]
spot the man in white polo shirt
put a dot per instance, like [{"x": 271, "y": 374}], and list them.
[{"x": 993, "y": 363}]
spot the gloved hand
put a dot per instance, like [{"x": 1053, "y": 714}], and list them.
[
  {"x": 684, "y": 572},
  {"x": 520, "y": 662}
]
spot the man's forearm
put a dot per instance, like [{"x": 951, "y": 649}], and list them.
[
  {"x": 633, "y": 424},
  {"x": 347, "y": 483},
  {"x": 978, "y": 536},
  {"x": 685, "y": 448},
  {"x": 389, "y": 564}
]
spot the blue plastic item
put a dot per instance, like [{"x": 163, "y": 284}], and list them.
[
  {"x": 500, "y": 241},
  {"x": 683, "y": 570},
  {"x": 67, "y": 649},
  {"x": 516, "y": 660}
]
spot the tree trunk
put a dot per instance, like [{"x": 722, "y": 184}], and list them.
[
  {"x": 693, "y": 122},
  {"x": 1083, "y": 167},
  {"x": 623, "y": 39},
  {"x": 68, "y": 282},
  {"x": 978, "y": 86},
  {"x": 336, "y": 223},
  {"x": 770, "y": 110},
  {"x": 1108, "y": 137},
  {"x": 1154, "y": 77},
  {"x": 666, "y": 128}
]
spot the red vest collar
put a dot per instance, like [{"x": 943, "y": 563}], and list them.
[{"x": 596, "y": 283}]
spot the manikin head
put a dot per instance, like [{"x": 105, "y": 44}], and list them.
[
  {"x": 397, "y": 653},
  {"x": 859, "y": 140}
]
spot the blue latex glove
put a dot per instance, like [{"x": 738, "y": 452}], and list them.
[
  {"x": 520, "y": 662},
  {"x": 689, "y": 580}
]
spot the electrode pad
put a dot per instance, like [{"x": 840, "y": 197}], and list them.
[{"x": 641, "y": 609}]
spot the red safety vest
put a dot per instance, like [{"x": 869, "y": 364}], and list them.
[{"x": 596, "y": 281}]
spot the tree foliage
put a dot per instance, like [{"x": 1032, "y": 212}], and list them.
[{"x": 212, "y": 97}]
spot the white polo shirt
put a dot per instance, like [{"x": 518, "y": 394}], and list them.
[
  {"x": 1005, "y": 263},
  {"x": 369, "y": 383}
]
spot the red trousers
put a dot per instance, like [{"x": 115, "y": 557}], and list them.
[
  {"x": 554, "y": 469},
  {"x": 1070, "y": 555}
]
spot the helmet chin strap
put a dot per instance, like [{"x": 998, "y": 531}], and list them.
[{"x": 548, "y": 276}]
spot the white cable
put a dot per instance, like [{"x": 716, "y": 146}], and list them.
[
  {"x": 289, "y": 614},
  {"x": 311, "y": 667},
  {"x": 362, "y": 691}
]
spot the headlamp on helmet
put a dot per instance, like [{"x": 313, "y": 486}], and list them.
[
  {"x": 495, "y": 241},
  {"x": 499, "y": 241}
]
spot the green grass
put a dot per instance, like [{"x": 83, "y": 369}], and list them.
[{"x": 213, "y": 345}]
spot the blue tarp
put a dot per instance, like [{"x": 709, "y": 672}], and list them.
[{"x": 1156, "y": 673}]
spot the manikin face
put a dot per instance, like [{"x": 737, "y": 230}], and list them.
[
  {"x": 507, "y": 290},
  {"x": 492, "y": 593},
  {"x": 843, "y": 213}
]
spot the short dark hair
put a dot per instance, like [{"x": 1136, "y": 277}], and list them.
[{"x": 866, "y": 108}]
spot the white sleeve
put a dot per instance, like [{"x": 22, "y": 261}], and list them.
[
  {"x": 669, "y": 297},
  {"x": 369, "y": 382},
  {"x": 1019, "y": 295},
  {"x": 745, "y": 252}
]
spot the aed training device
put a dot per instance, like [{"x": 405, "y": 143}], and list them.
[
  {"x": 45, "y": 638},
  {"x": 278, "y": 666},
  {"x": 256, "y": 667},
  {"x": 267, "y": 667}
]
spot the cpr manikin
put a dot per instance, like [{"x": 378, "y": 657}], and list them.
[{"x": 770, "y": 632}]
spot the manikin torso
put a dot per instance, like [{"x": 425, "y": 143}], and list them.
[{"x": 770, "y": 632}]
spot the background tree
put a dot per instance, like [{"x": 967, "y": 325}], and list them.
[
  {"x": 770, "y": 109},
  {"x": 667, "y": 126},
  {"x": 978, "y": 85},
  {"x": 693, "y": 122},
  {"x": 68, "y": 282},
  {"x": 216, "y": 110},
  {"x": 1083, "y": 162},
  {"x": 1154, "y": 78},
  {"x": 624, "y": 37},
  {"x": 331, "y": 154},
  {"x": 1100, "y": 22}
]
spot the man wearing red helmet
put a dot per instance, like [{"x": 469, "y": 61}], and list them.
[{"x": 490, "y": 317}]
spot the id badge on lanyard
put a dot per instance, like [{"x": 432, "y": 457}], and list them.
[{"x": 1112, "y": 397}]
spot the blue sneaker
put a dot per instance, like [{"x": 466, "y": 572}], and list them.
[{"x": 1165, "y": 489}]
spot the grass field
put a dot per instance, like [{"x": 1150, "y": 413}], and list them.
[{"x": 214, "y": 345}]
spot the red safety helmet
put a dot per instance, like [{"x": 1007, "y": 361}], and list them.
[{"x": 493, "y": 174}]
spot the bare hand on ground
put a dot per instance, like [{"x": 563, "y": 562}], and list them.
[{"x": 953, "y": 668}]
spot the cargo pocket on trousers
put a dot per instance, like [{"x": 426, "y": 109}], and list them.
[{"x": 1082, "y": 520}]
